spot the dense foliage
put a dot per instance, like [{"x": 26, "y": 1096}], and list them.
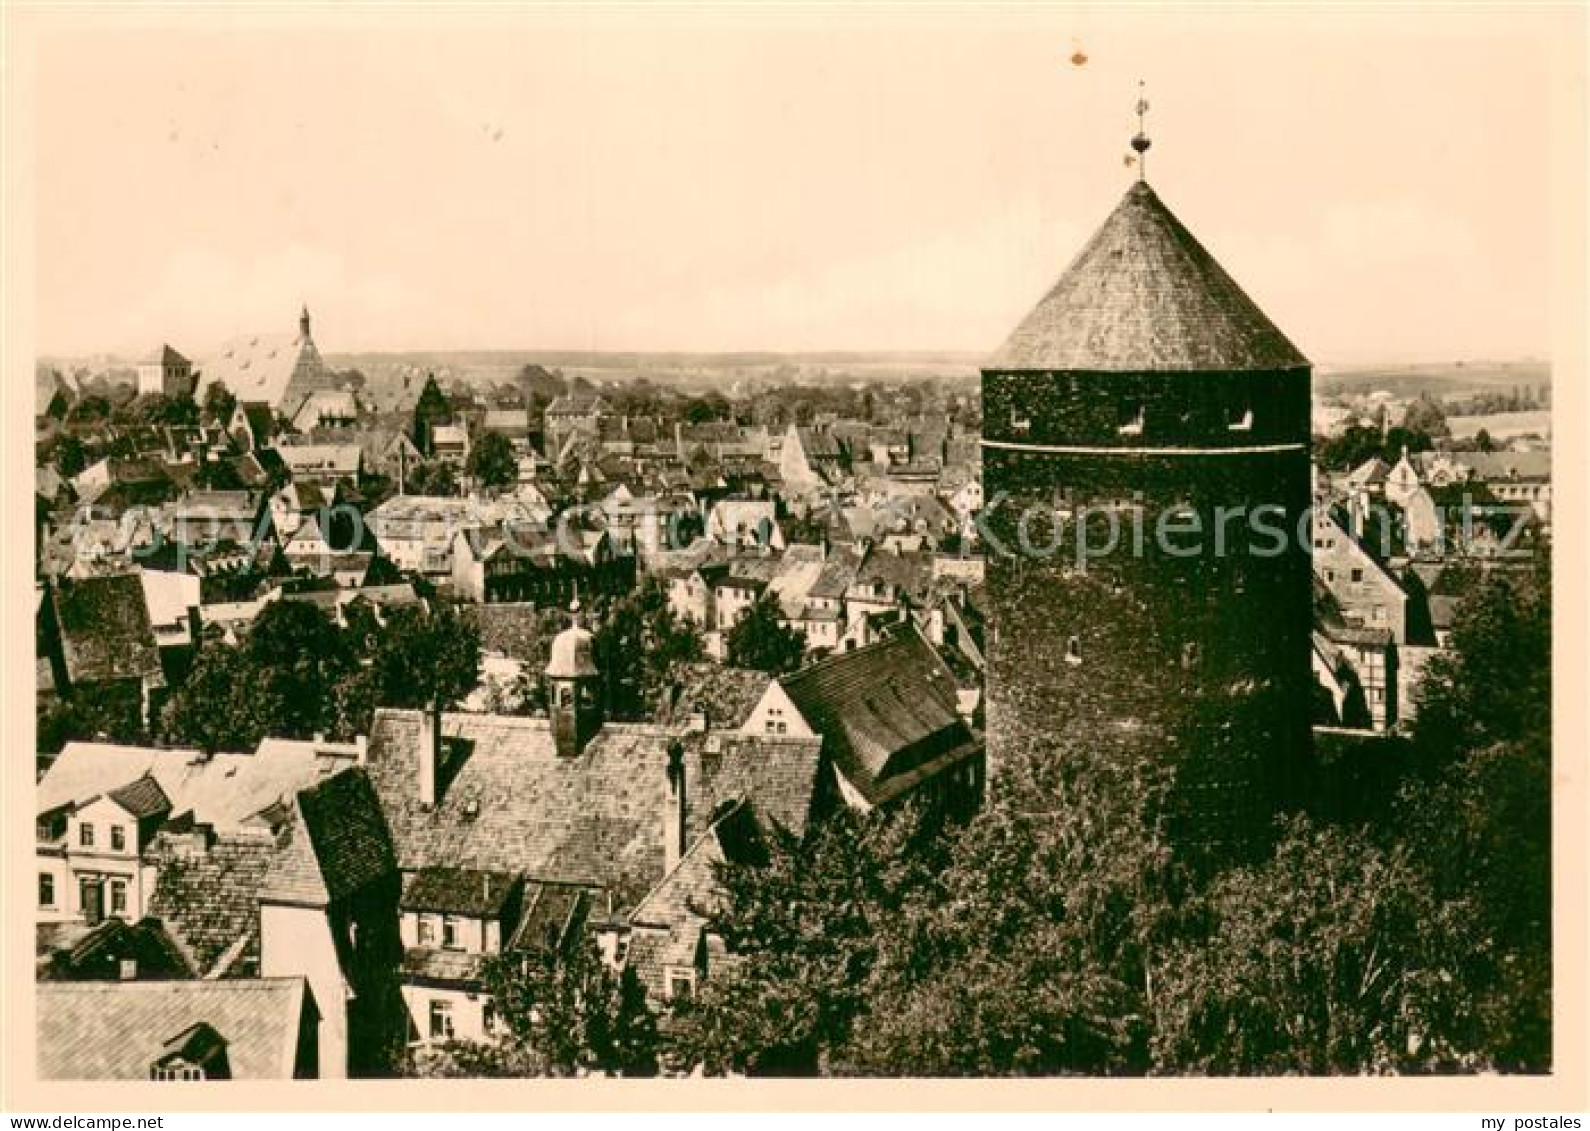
[
  {"x": 638, "y": 641},
  {"x": 1059, "y": 932},
  {"x": 492, "y": 461},
  {"x": 558, "y": 1014},
  {"x": 298, "y": 674},
  {"x": 760, "y": 639}
]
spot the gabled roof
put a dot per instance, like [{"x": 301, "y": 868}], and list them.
[
  {"x": 209, "y": 901},
  {"x": 667, "y": 928},
  {"x": 224, "y": 790},
  {"x": 277, "y": 369},
  {"x": 104, "y": 629},
  {"x": 162, "y": 354},
  {"x": 885, "y": 711},
  {"x": 726, "y": 694},
  {"x": 1144, "y": 295},
  {"x": 335, "y": 845},
  {"x": 117, "y": 1030},
  {"x": 510, "y": 803},
  {"x": 142, "y": 798}
]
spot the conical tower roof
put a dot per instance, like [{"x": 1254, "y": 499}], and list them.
[{"x": 1144, "y": 296}]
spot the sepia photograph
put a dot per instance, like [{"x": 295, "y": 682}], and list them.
[{"x": 705, "y": 544}]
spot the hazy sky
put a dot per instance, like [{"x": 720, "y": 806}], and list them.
[{"x": 713, "y": 181}]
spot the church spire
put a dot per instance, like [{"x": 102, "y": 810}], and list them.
[
  {"x": 1141, "y": 142},
  {"x": 303, "y": 323}
]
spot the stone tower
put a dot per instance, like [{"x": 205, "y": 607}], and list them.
[
  {"x": 574, "y": 699},
  {"x": 1148, "y": 395}
]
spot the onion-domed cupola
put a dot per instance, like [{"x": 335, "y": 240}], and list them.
[{"x": 574, "y": 698}]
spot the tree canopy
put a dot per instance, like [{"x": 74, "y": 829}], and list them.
[
  {"x": 760, "y": 640},
  {"x": 493, "y": 462}
]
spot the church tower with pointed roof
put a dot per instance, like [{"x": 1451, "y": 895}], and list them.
[{"x": 1146, "y": 461}]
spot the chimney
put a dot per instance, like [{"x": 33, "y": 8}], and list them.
[
  {"x": 674, "y": 810},
  {"x": 430, "y": 756}
]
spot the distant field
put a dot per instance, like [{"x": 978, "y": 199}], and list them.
[
  {"x": 1454, "y": 379},
  {"x": 1501, "y": 425}
]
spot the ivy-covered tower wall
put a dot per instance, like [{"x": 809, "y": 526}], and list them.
[{"x": 1146, "y": 471}]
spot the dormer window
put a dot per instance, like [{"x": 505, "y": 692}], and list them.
[
  {"x": 1242, "y": 422},
  {"x": 196, "y": 1053},
  {"x": 1073, "y": 650},
  {"x": 1133, "y": 424},
  {"x": 1020, "y": 425},
  {"x": 1189, "y": 654}
]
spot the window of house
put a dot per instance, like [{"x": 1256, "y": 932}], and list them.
[
  {"x": 441, "y": 1020},
  {"x": 1358, "y": 574},
  {"x": 1073, "y": 650},
  {"x": 85, "y": 835},
  {"x": 46, "y": 890},
  {"x": 1189, "y": 654},
  {"x": 118, "y": 897},
  {"x": 427, "y": 930},
  {"x": 1240, "y": 421},
  {"x": 450, "y": 933},
  {"x": 681, "y": 985},
  {"x": 118, "y": 838}
]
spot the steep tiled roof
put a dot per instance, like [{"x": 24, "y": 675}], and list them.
[
  {"x": 142, "y": 798},
  {"x": 885, "y": 710},
  {"x": 116, "y": 1030},
  {"x": 510, "y": 803},
  {"x": 668, "y": 924},
  {"x": 1499, "y": 467},
  {"x": 459, "y": 891},
  {"x": 908, "y": 572},
  {"x": 312, "y": 459},
  {"x": 1143, "y": 295},
  {"x": 224, "y": 790},
  {"x": 726, "y": 694},
  {"x": 81, "y": 951},
  {"x": 839, "y": 573},
  {"x": 818, "y": 444},
  {"x": 336, "y": 844},
  {"x": 162, "y": 354},
  {"x": 105, "y": 630},
  {"x": 276, "y": 369},
  {"x": 208, "y": 900}
]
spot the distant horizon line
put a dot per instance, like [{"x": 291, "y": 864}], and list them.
[{"x": 969, "y": 357}]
